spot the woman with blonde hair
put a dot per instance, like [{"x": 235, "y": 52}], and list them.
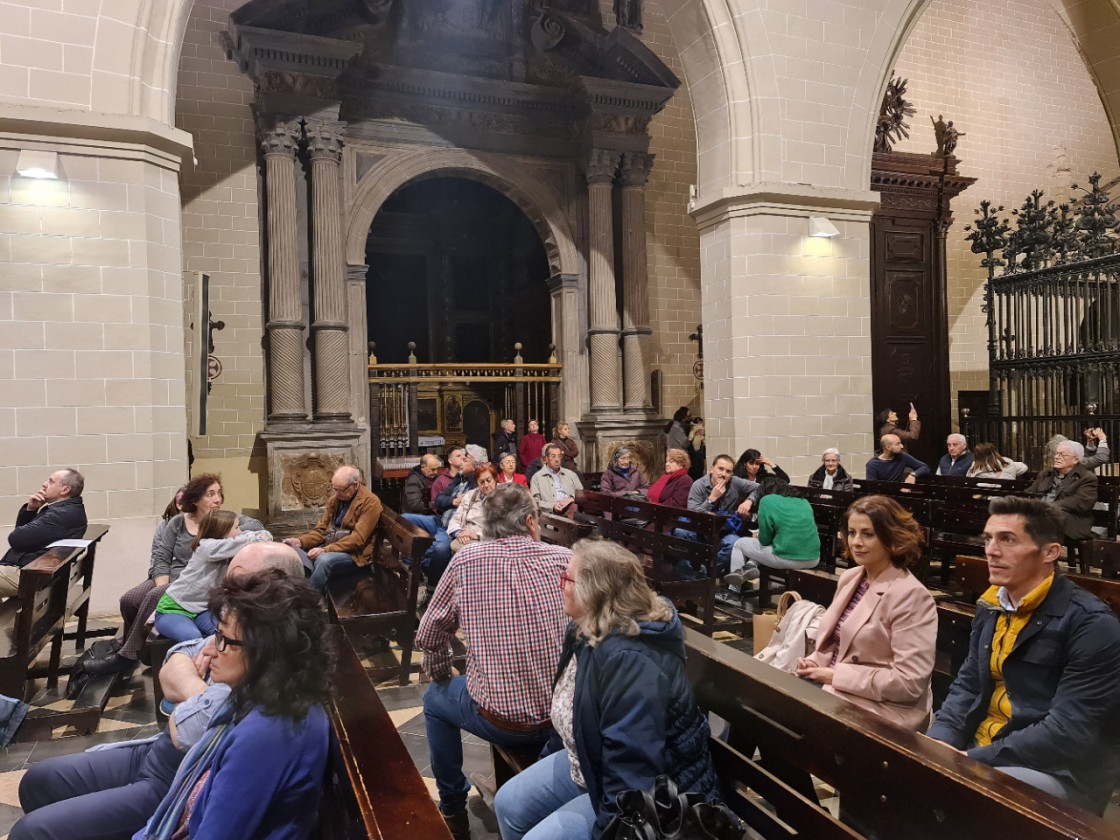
[
  {"x": 877, "y": 640},
  {"x": 622, "y": 706}
]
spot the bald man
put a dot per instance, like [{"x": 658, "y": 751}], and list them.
[
  {"x": 893, "y": 464},
  {"x": 342, "y": 542}
]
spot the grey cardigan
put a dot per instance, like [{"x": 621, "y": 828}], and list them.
[
  {"x": 206, "y": 569},
  {"x": 171, "y": 547}
]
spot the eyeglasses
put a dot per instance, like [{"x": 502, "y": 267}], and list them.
[
  {"x": 565, "y": 580},
  {"x": 222, "y": 642}
]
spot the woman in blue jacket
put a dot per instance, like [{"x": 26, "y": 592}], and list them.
[
  {"x": 258, "y": 771},
  {"x": 622, "y": 706}
]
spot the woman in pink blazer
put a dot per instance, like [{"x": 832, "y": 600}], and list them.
[{"x": 876, "y": 642}]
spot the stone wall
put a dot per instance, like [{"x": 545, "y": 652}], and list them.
[
  {"x": 221, "y": 236},
  {"x": 1033, "y": 119}
]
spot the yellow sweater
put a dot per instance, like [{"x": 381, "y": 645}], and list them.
[{"x": 1008, "y": 627}]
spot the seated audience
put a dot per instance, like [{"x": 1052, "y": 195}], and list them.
[
  {"x": 787, "y": 536},
  {"x": 449, "y": 487},
  {"x": 554, "y": 486},
  {"x": 877, "y": 640},
  {"x": 111, "y": 792},
  {"x": 725, "y": 494},
  {"x": 258, "y": 770},
  {"x": 958, "y": 460},
  {"x": 467, "y": 524},
  {"x": 1072, "y": 487},
  {"x": 503, "y": 594},
  {"x": 181, "y": 614},
  {"x": 416, "y": 498},
  {"x": 477, "y": 454},
  {"x": 622, "y": 706},
  {"x": 831, "y": 475},
  {"x": 988, "y": 463},
  {"x": 623, "y": 477},
  {"x": 342, "y": 541},
  {"x": 893, "y": 464},
  {"x": 568, "y": 447},
  {"x": 172, "y": 547},
  {"x": 56, "y": 512},
  {"x": 673, "y": 487},
  {"x": 1038, "y": 696},
  {"x": 509, "y": 473},
  {"x": 887, "y": 422},
  {"x": 754, "y": 466},
  {"x": 531, "y": 445}
]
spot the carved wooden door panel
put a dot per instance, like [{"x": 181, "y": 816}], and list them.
[{"x": 909, "y": 346}]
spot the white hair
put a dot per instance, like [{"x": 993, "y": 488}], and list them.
[
  {"x": 956, "y": 438},
  {"x": 832, "y": 450},
  {"x": 1074, "y": 448}
]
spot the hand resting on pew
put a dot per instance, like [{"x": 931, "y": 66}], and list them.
[{"x": 810, "y": 670}]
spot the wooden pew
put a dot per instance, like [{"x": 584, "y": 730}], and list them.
[
  {"x": 893, "y": 783},
  {"x": 559, "y": 530},
  {"x": 373, "y": 789},
  {"x": 52, "y": 588},
  {"x": 381, "y": 601}
]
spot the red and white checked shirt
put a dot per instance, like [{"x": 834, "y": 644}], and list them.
[{"x": 505, "y": 595}]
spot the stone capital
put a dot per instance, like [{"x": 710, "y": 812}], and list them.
[
  {"x": 280, "y": 138},
  {"x": 601, "y": 166},
  {"x": 324, "y": 139},
  {"x": 636, "y": 167}
]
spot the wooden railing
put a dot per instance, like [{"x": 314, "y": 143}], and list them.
[{"x": 520, "y": 391}]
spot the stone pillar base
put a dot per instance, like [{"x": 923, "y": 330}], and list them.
[
  {"x": 643, "y": 433},
  {"x": 302, "y": 457}
]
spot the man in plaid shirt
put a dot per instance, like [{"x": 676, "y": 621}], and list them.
[{"x": 504, "y": 594}]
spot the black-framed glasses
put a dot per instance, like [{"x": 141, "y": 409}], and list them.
[{"x": 221, "y": 641}]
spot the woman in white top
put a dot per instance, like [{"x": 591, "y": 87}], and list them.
[
  {"x": 466, "y": 524},
  {"x": 988, "y": 463}
]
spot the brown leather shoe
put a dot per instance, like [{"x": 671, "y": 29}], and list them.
[{"x": 458, "y": 824}]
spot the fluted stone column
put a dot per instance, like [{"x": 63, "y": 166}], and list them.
[
  {"x": 603, "y": 331},
  {"x": 329, "y": 327},
  {"x": 285, "y": 312},
  {"x": 635, "y": 281}
]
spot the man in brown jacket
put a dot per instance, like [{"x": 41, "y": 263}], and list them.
[{"x": 342, "y": 542}]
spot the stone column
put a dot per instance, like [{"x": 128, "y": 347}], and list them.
[
  {"x": 331, "y": 361},
  {"x": 635, "y": 281},
  {"x": 285, "y": 312},
  {"x": 603, "y": 330}
]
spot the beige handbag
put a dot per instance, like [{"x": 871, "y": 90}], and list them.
[{"x": 766, "y": 623}]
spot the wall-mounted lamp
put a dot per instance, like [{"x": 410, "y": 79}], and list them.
[
  {"x": 822, "y": 227},
  {"x": 34, "y": 164}
]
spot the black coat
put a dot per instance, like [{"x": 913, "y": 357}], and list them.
[
  {"x": 417, "y": 494},
  {"x": 35, "y": 530},
  {"x": 1074, "y": 501}
]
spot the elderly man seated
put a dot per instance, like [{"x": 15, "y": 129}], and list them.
[
  {"x": 1072, "y": 487},
  {"x": 56, "y": 512},
  {"x": 957, "y": 460},
  {"x": 342, "y": 542},
  {"x": 112, "y": 791},
  {"x": 553, "y": 486}
]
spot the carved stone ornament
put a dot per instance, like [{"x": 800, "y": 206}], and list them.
[
  {"x": 635, "y": 169},
  {"x": 307, "y": 478},
  {"x": 547, "y": 32},
  {"x": 602, "y": 165},
  {"x": 892, "y": 126},
  {"x": 324, "y": 139},
  {"x": 299, "y": 84},
  {"x": 628, "y": 14},
  {"x": 281, "y": 139},
  {"x": 620, "y": 123}
]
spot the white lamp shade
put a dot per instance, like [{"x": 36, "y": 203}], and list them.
[
  {"x": 820, "y": 226},
  {"x": 34, "y": 164}
]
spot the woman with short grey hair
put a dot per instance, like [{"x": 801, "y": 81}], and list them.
[{"x": 623, "y": 477}]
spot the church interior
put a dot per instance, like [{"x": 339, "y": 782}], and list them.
[{"x": 268, "y": 238}]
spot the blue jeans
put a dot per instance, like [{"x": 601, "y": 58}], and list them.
[
  {"x": 331, "y": 564},
  {"x": 438, "y": 556},
  {"x": 543, "y": 803},
  {"x": 179, "y": 628},
  {"x": 723, "y": 556},
  {"x": 96, "y": 795},
  {"x": 449, "y": 710}
]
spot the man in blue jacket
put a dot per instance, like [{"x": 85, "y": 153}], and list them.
[
  {"x": 892, "y": 463},
  {"x": 1039, "y": 695},
  {"x": 957, "y": 460},
  {"x": 56, "y": 512}
]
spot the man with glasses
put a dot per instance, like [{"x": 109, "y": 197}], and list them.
[
  {"x": 342, "y": 542},
  {"x": 56, "y": 512},
  {"x": 504, "y": 594},
  {"x": 1071, "y": 487}
]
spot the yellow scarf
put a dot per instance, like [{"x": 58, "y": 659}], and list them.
[{"x": 1007, "y": 631}]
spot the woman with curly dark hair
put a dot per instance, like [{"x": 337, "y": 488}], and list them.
[
  {"x": 876, "y": 642},
  {"x": 258, "y": 771}
]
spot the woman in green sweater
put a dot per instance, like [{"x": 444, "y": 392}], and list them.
[{"x": 787, "y": 535}]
